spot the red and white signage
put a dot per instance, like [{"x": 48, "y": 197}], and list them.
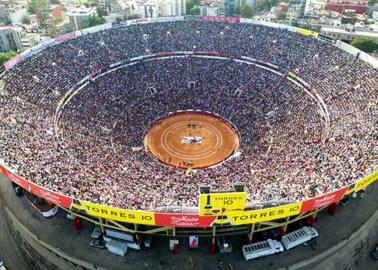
[
  {"x": 220, "y": 19},
  {"x": 183, "y": 220},
  {"x": 12, "y": 62},
  {"x": 65, "y": 37},
  {"x": 38, "y": 191},
  {"x": 323, "y": 201}
]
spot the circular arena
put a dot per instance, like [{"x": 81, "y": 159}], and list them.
[
  {"x": 151, "y": 117},
  {"x": 192, "y": 140}
]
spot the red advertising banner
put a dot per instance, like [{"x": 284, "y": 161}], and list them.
[
  {"x": 12, "y": 62},
  {"x": 65, "y": 37},
  {"x": 323, "y": 201},
  {"x": 220, "y": 19},
  {"x": 38, "y": 191},
  {"x": 141, "y": 20},
  {"x": 51, "y": 196},
  {"x": 183, "y": 220}
]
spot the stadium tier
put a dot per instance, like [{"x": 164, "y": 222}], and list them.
[{"x": 75, "y": 113}]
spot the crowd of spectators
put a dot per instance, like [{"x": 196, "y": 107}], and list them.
[{"x": 288, "y": 152}]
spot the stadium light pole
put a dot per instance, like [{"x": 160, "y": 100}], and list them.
[
  {"x": 145, "y": 38},
  {"x": 222, "y": 36},
  {"x": 169, "y": 35}
]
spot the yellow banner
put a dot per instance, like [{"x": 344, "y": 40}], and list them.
[
  {"x": 128, "y": 216},
  {"x": 292, "y": 75},
  {"x": 63, "y": 100},
  {"x": 306, "y": 32},
  {"x": 214, "y": 204},
  {"x": 262, "y": 215},
  {"x": 368, "y": 180}
]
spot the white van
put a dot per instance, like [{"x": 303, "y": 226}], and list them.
[
  {"x": 298, "y": 237},
  {"x": 261, "y": 249}
]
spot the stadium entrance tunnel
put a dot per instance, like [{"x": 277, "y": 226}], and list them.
[{"x": 192, "y": 140}]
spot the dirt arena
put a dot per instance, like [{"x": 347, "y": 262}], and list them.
[{"x": 192, "y": 140}]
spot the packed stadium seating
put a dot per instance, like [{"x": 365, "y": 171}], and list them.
[{"x": 288, "y": 151}]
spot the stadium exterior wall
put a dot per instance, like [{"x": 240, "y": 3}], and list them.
[
  {"x": 37, "y": 253},
  {"x": 344, "y": 255}
]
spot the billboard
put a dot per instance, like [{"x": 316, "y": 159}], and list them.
[
  {"x": 65, "y": 37},
  {"x": 220, "y": 19},
  {"x": 263, "y": 215},
  {"x": 51, "y": 196},
  {"x": 128, "y": 216},
  {"x": 12, "y": 62},
  {"x": 183, "y": 220},
  {"x": 213, "y": 204},
  {"x": 323, "y": 201},
  {"x": 367, "y": 181},
  {"x": 306, "y": 32}
]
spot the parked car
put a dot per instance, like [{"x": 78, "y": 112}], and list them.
[
  {"x": 17, "y": 189},
  {"x": 374, "y": 254},
  {"x": 97, "y": 243},
  {"x": 2, "y": 266}
]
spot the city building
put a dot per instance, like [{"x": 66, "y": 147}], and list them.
[
  {"x": 9, "y": 40},
  {"x": 251, "y": 3},
  {"x": 108, "y": 5},
  {"x": 80, "y": 17},
  {"x": 375, "y": 15},
  {"x": 297, "y": 8},
  {"x": 348, "y": 34},
  {"x": 212, "y": 11},
  {"x": 55, "y": 12},
  {"x": 314, "y": 7},
  {"x": 360, "y": 6},
  {"x": 4, "y": 18},
  {"x": 171, "y": 7},
  {"x": 148, "y": 10},
  {"x": 175, "y": 7},
  {"x": 229, "y": 8},
  {"x": 293, "y": 13},
  {"x": 282, "y": 8}
]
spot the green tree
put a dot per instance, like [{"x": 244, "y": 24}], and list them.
[
  {"x": 365, "y": 44},
  {"x": 273, "y": 3},
  {"x": 37, "y": 6},
  {"x": 54, "y": 2},
  {"x": 237, "y": 11},
  {"x": 96, "y": 20},
  {"x": 101, "y": 12},
  {"x": 190, "y": 4},
  {"x": 52, "y": 30},
  {"x": 195, "y": 11},
  {"x": 91, "y": 3},
  {"x": 372, "y": 2},
  {"x": 132, "y": 16},
  {"x": 246, "y": 11},
  {"x": 6, "y": 56},
  {"x": 282, "y": 16}
]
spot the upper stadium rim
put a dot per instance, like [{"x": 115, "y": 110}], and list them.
[{"x": 312, "y": 108}]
